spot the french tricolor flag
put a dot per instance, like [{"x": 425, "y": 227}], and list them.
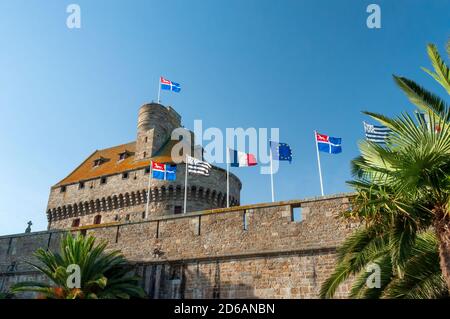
[{"x": 241, "y": 159}]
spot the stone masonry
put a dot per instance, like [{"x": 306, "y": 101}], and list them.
[{"x": 255, "y": 251}]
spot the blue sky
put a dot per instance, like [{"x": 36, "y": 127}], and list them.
[{"x": 297, "y": 65}]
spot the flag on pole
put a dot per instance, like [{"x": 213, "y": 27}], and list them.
[
  {"x": 281, "y": 151},
  {"x": 328, "y": 144},
  {"x": 164, "y": 171},
  {"x": 377, "y": 134},
  {"x": 169, "y": 85},
  {"x": 241, "y": 159},
  {"x": 425, "y": 119},
  {"x": 197, "y": 166}
]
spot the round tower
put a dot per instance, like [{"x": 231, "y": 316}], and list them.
[{"x": 155, "y": 125}]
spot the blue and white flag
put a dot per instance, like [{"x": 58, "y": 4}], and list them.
[
  {"x": 328, "y": 144},
  {"x": 281, "y": 151},
  {"x": 377, "y": 134},
  {"x": 169, "y": 85}
]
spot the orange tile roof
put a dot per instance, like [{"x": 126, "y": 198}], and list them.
[{"x": 112, "y": 165}]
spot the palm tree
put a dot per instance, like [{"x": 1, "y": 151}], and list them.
[
  {"x": 5, "y": 295},
  {"x": 419, "y": 277},
  {"x": 418, "y": 163},
  {"x": 102, "y": 274},
  {"x": 403, "y": 191}
]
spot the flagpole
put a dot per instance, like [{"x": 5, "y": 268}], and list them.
[
  {"x": 318, "y": 163},
  {"x": 271, "y": 175},
  {"x": 185, "y": 184},
  {"x": 228, "y": 177},
  {"x": 148, "y": 190},
  {"x": 159, "y": 89}
]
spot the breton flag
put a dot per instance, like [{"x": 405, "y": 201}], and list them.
[
  {"x": 241, "y": 159},
  {"x": 328, "y": 144},
  {"x": 197, "y": 166},
  {"x": 164, "y": 171},
  {"x": 377, "y": 134},
  {"x": 169, "y": 85}
]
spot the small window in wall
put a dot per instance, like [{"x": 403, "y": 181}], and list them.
[
  {"x": 145, "y": 154},
  {"x": 63, "y": 189},
  {"x": 245, "y": 220},
  {"x": 97, "y": 219},
  {"x": 146, "y": 139},
  {"x": 116, "y": 218},
  {"x": 178, "y": 210},
  {"x": 83, "y": 232},
  {"x": 147, "y": 170},
  {"x": 81, "y": 185},
  {"x": 127, "y": 217},
  {"x": 125, "y": 175},
  {"x": 143, "y": 215},
  {"x": 76, "y": 222},
  {"x": 296, "y": 214},
  {"x": 103, "y": 180}
]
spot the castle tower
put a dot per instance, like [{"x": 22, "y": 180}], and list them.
[
  {"x": 114, "y": 185},
  {"x": 155, "y": 125}
]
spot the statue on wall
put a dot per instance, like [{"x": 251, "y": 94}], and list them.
[{"x": 28, "y": 230}]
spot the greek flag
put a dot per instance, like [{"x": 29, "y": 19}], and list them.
[
  {"x": 197, "y": 166},
  {"x": 377, "y": 134}
]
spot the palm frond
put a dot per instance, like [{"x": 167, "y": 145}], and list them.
[{"x": 441, "y": 71}]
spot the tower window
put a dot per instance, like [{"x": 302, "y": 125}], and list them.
[
  {"x": 76, "y": 222},
  {"x": 97, "y": 219},
  {"x": 146, "y": 139},
  {"x": 63, "y": 189},
  {"x": 125, "y": 175},
  {"x": 145, "y": 154},
  {"x": 143, "y": 215},
  {"x": 177, "y": 210},
  {"x": 81, "y": 185},
  {"x": 103, "y": 180}
]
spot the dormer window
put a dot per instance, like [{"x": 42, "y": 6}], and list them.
[
  {"x": 123, "y": 155},
  {"x": 99, "y": 161}
]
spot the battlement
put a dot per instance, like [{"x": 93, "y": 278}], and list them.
[{"x": 256, "y": 246}]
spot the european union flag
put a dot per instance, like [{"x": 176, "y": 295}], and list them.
[{"x": 281, "y": 151}]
